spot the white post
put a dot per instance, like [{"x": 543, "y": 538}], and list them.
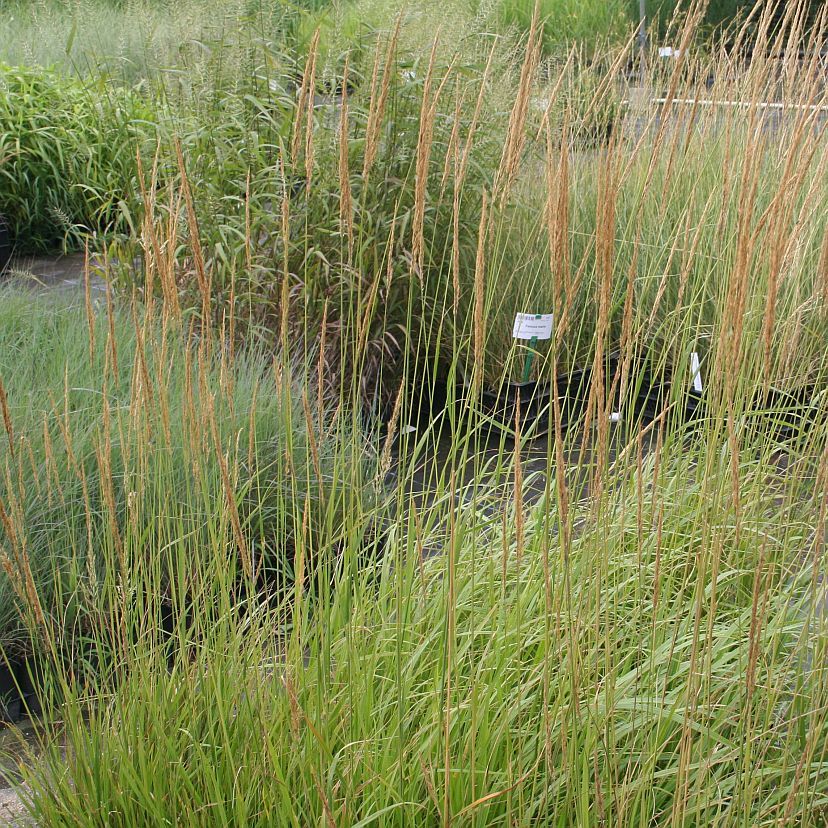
[
  {"x": 695, "y": 372},
  {"x": 642, "y": 36}
]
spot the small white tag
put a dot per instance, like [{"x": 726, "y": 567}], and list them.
[
  {"x": 695, "y": 372},
  {"x": 533, "y": 326},
  {"x": 615, "y": 417},
  {"x": 668, "y": 52}
]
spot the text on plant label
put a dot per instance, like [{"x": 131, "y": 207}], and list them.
[{"x": 533, "y": 326}]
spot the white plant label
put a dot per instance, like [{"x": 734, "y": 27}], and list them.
[
  {"x": 695, "y": 372},
  {"x": 668, "y": 52},
  {"x": 533, "y": 326}
]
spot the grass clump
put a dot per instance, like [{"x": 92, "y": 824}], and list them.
[
  {"x": 366, "y": 212},
  {"x": 132, "y": 41},
  {"x": 131, "y": 447},
  {"x": 647, "y": 657},
  {"x": 337, "y": 216}
]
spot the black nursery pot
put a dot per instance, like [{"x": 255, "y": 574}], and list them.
[
  {"x": 535, "y": 398},
  {"x": 18, "y": 693},
  {"x": 5, "y": 245},
  {"x": 536, "y": 402},
  {"x": 783, "y": 414},
  {"x": 653, "y": 399},
  {"x": 501, "y": 405}
]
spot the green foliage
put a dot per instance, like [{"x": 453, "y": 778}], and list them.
[
  {"x": 586, "y": 23},
  {"x": 135, "y": 449},
  {"x": 719, "y": 14},
  {"x": 622, "y": 625},
  {"x": 658, "y": 667},
  {"x": 68, "y": 155},
  {"x": 236, "y": 138},
  {"x": 134, "y": 41},
  {"x": 343, "y": 30}
]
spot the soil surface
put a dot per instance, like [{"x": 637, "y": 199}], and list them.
[
  {"x": 17, "y": 745},
  {"x": 12, "y": 811}
]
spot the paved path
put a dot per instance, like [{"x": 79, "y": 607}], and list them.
[{"x": 61, "y": 273}]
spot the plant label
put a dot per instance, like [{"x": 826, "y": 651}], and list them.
[
  {"x": 695, "y": 372},
  {"x": 533, "y": 326}
]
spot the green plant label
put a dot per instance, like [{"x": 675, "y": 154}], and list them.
[{"x": 533, "y": 326}]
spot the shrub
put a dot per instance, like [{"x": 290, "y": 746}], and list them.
[{"x": 718, "y": 15}]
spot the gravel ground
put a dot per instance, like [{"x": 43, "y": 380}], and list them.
[
  {"x": 19, "y": 744},
  {"x": 12, "y": 811}
]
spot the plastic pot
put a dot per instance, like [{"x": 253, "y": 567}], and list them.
[
  {"x": 650, "y": 400},
  {"x": 5, "y": 245},
  {"x": 18, "y": 693}
]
